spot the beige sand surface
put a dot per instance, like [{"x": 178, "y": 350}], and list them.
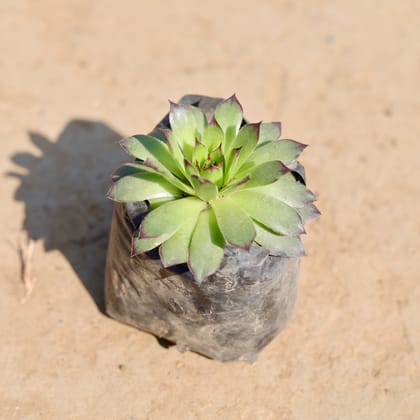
[{"x": 343, "y": 76}]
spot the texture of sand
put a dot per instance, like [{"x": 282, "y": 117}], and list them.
[{"x": 342, "y": 76}]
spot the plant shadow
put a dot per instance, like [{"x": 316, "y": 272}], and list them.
[{"x": 64, "y": 191}]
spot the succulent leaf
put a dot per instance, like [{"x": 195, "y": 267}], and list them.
[
  {"x": 169, "y": 217},
  {"x": 284, "y": 150},
  {"x": 126, "y": 169},
  {"x": 242, "y": 146},
  {"x": 308, "y": 212},
  {"x": 216, "y": 155},
  {"x": 187, "y": 124},
  {"x": 206, "y": 247},
  {"x": 257, "y": 176},
  {"x": 269, "y": 211},
  {"x": 288, "y": 190},
  {"x": 176, "y": 151},
  {"x": 214, "y": 173},
  {"x": 269, "y": 131},
  {"x": 142, "y": 186},
  {"x": 247, "y": 138},
  {"x": 236, "y": 226},
  {"x": 266, "y": 173},
  {"x": 153, "y": 166},
  {"x": 200, "y": 154},
  {"x": 229, "y": 114},
  {"x": 280, "y": 245},
  {"x": 190, "y": 170},
  {"x": 204, "y": 188},
  {"x": 144, "y": 147},
  {"x": 212, "y": 136},
  {"x": 175, "y": 249},
  {"x": 141, "y": 245},
  {"x": 154, "y": 203}
]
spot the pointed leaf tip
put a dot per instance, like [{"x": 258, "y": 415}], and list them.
[
  {"x": 172, "y": 105},
  {"x": 234, "y": 98},
  {"x": 110, "y": 193},
  {"x": 149, "y": 163},
  {"x": 229, "y": 116},
  {"x": 308, "y": 212},
  {"x": 256, "y": 127},
  {"x": 141, "y": 245}
]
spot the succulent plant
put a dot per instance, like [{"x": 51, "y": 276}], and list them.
[{"x": 214, "y": 184}]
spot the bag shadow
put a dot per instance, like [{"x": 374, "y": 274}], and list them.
[{"x": 64, "y": 189}]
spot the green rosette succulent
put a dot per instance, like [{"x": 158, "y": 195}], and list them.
[{"x": 214, "y": 184}]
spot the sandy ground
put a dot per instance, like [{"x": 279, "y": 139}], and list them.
[{"x": 342, "y": 76}]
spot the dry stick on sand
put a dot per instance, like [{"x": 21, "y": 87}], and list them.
[{"x": 26, "y": 252}]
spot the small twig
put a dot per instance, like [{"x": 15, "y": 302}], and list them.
[{"x": 26, "y": 252}]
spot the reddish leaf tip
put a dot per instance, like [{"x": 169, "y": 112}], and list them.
[
  {"x": 301, "y": 146},
  {"x": 133, "y": 252},
  {"x": 237, "y": 151},
  {"x": 172, "y": 104},
  {"x": 244, "y": 181},
  {"x": 282, "y": 167},
  {"x": 141, "y": 232},
  {"x": 149, "y": 163},
  {"x": 214, "y": 122},
  {"x": 162, "y": 258},
  {"x": 111, "y": 193},
  {"x": 123, "y": 140},
  {"x": 114, "y": 175},
  {"x": 122, "y": 143},
  {"x": 233, "y": 98},
  {"x": 188, "y": 163},
  {"x": 255, "y": 126},
  {"x": 175, "y": 106},
  {"x": 167, "y": 133},
  {"x": 201, "y": 180},
  {"x": 215, "y": 166}
]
